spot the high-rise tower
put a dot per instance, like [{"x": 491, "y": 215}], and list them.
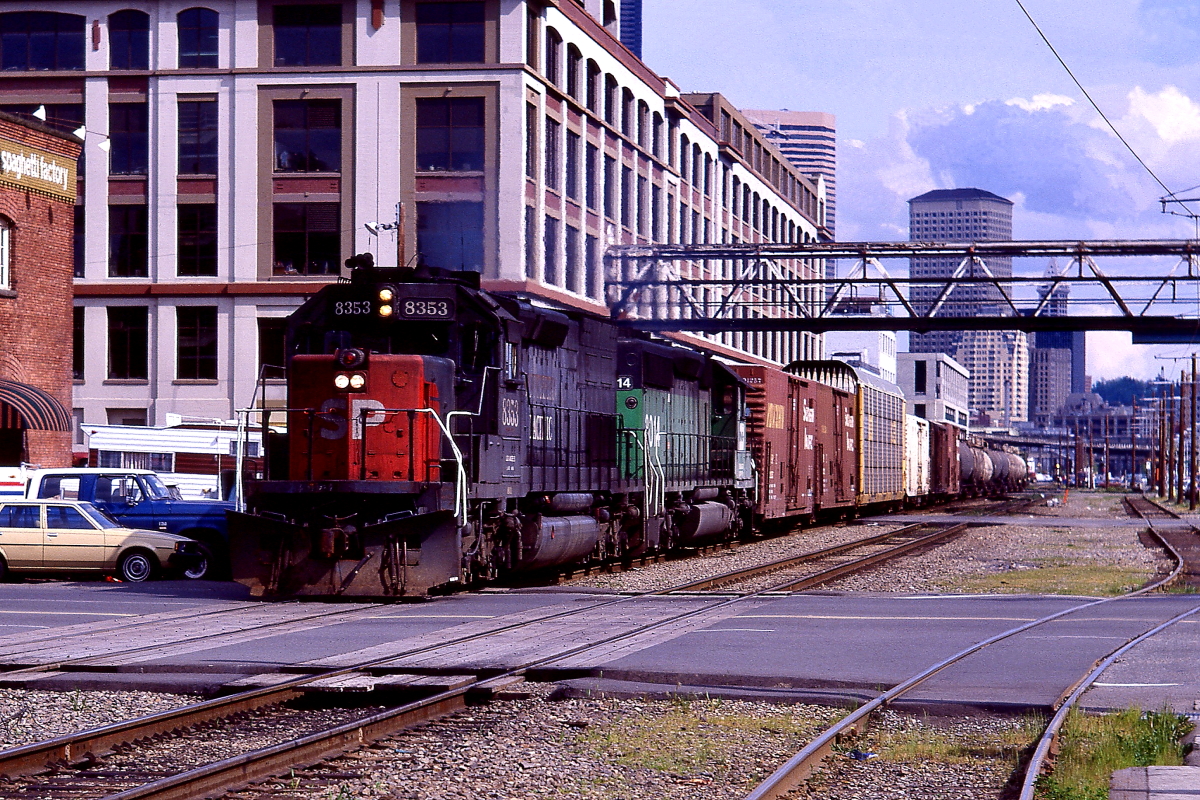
[{"x": 809, "y": 140}]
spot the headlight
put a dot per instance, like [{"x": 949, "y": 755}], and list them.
[
  {"x": 357, "y": 381},
  {"x": 342, "y": 381},
  {"x": 386, "y": 294},
  {"x": 385, "y": 311}
]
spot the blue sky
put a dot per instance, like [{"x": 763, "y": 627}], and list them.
[{"x": 932, "y": 94}]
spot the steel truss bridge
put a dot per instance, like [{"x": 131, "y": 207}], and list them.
[{"x": 762, "y": 287}]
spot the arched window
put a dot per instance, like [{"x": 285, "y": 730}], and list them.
[
  {"x": 553, "y": 55},
  {"x": 129, "y": 40},
  {"x": 197, "y": 38},
  {"x": 41, "y": 40},
  {"x": 574, "y": 59},
  {"x": 593, "y": 87},
  {"x": 5, "y": 253}
]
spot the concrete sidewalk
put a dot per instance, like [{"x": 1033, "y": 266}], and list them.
[{"x": 1155, "y": 783}]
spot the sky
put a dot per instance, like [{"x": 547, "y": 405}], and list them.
[{"x": 934, "y": 94}]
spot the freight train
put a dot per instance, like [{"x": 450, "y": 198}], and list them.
[{"x": 439, "y": 435}]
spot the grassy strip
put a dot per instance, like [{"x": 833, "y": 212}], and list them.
[
  {"x": 916, "y": 743},
  {"x": 1092, "y": 747},
  {"x": 1091, "y": 580}
]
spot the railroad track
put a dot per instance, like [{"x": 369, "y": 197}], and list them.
[
  {"x": 809, "y": 570},
  {"x": 1168, "y": 526},
  {"x": 793, "y": 772},
  {"x": 116, "y": 761}
]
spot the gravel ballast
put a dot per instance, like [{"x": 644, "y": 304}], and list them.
[{"x": 32, "y": 716}]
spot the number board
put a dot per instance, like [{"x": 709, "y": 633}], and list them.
[
  {"x": 352, "y": 308},
  {"x": 424, "y": 308}
]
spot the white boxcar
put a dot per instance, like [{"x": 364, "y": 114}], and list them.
[{"x": 916, "y": 458}]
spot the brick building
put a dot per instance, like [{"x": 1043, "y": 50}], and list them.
[{"x": 37, "y": 225}]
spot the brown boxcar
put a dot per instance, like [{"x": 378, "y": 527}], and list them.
[
  {"x": 836, "y": 447},
  {"x": 944, "y": 468},
  {"x": 780, "y": 440}
]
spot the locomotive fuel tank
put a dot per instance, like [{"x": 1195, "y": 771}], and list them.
[
  {"x": 704, "y": 521},
  {"x": 550, "y": 541}
]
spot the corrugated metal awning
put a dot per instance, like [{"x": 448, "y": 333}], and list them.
[{"x": 25, "y": 406}]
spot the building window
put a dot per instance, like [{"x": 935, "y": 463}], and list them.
[
  {"x": 127, "y": 242},
  {"x": 450, "y": 235},
  {"x": 573, "y": 276},
  {"x": 591, "y": 266},
  {"x": 574, "y": 60},
  {"x": 591, "y": 176},
  {"x": 627, "y": 120},
  {"x": 308, "y": 35},
  {"x": 197, "y": 137},
  {"x": 593, "y": 87},
  {"x": 552, "y": 166},
  {"x": 41, "y": 40},
  {"x": 80, "y": 252},
  {"x": 197, "y": 239},
  {"x": 308, "y": 135},
  {"x": 530, "y": 241},
  {"x": 574, "y": 142},
  {"x": 196, "y": 330},
  {"x": 531, "y": 36},
  {"x": 197, "y": 38},
  {"x": 307, "y": 238},
  {"x": 553, "y": 55},
  {"x": 128, "y": 133},
  {"x": 919, "y": 409},
  {"x": 129, "y": 40},
  {"x": 272, "y": 347},
  {"x": 450, "y": 33},
  {"x": 77, "y": 344},
  {"x": 550, "y": 248},
  {"x": 531, "y": 148},
  {"x": 610, "y": 100},
  {"x": 128, "y": 342},
  {"x": 627, "y": 197},
  {"x": 920, "y": 379},
  {"x": 5, "y": 254},
  {"x": 610, "y": 187},
  {"x": 450, "y": 134}
]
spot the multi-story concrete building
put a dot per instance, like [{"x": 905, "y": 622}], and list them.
[
  {"x": 809, "y": 140},
  {"x": 236, "y": 151},
  {"x": 956, "y": 215},
  {"x": 999, "y": 365},
  {"x": 935, "y": 387},
  {"x": 1057, "y": 361},
  {"x": 875, "y": 350},
  {"x": 37, "y": 195}
]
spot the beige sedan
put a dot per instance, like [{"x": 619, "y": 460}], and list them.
[{"x": 65, "y": 536}]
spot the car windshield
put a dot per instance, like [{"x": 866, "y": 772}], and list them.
[
  {"x": 101, "y": 518},
  {"x": 155, "y": 488}
]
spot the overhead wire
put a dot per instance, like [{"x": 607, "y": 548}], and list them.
[{"x": 1096, "y": 106}]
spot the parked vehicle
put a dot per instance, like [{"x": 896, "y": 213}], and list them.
[
  {"x": 139, "y": 499},
  {"x": 63, "y": 536}
]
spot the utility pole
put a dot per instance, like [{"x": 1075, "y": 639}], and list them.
[
  {"x": 1107, "y": 464},
  {"x": 1179, "y": 451},
  {"x": 1133, "y": 457},
  {"x": 1192, "y": 438},
  {"x": 1170, "y": 392}
]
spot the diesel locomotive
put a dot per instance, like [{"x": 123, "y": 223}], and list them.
[{"x": 439, "y": 435}]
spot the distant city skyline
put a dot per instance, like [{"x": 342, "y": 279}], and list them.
[{"x": 930, "y": 95}]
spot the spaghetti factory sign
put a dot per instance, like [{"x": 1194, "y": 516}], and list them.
[{"x": 35, "y": 169}]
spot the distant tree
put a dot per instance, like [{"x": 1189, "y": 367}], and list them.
[{"x": 1121, "y": 391}]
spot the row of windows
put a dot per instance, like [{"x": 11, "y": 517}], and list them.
[
  {"x": 304, "y": 35},
  {"x": 129, "y": 343},
  {"x": 128, "y": 335},
  {"x": 49, "y": 40}
]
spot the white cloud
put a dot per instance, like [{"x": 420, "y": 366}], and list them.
[
  {"x": 1174, "y": 116},
  {"x": 1040, "y": 102}
]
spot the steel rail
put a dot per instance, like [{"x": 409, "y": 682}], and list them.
[
  {"x": 1037, "y": 761},
  {"x": 868, "y": 561},
  {"x": 258, "y": 765},
  {"x": 799, "y": 766},
  {"x": 1051, "y": 733},
  {"x": 733, "y": 576}
]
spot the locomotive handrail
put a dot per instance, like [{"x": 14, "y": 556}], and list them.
[{"x": 460, "y": 478}]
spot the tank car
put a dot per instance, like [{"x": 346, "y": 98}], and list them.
[{"x": 438, "y": 434}]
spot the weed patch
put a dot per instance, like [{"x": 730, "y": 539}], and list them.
[
  {"x": 1100, "y": 580},
  {"x": 1095, "y": 746}
]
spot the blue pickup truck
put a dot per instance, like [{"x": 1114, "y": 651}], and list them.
[{"x": 139, "y": 499}]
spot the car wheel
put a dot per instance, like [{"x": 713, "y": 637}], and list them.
[
  {"x": 200, "y": 568},
  {"x": 136, "y": 567}
]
